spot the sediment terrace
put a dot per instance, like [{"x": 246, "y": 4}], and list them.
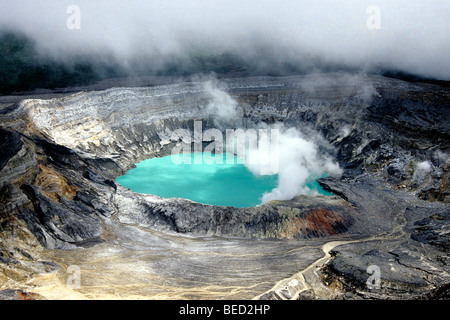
[{"x": 60, "y": 205}]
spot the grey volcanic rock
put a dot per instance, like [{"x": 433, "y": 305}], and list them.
[
  {"x": 299, "y": 218},
  {"x": 403, "y": 270},
  {"x": 434, "y": 230},
  {"x": 391, "y": 204},
  {"x": 10, "y": 144}
]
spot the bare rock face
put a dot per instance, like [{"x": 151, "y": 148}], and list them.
[
  {"x": 300, "y": 218},
  {"x": 62, "y": 155}
]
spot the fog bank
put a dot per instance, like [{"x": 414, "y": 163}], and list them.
[{"x": 405, "y": 35}]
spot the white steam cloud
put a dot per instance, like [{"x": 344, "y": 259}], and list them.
[
  {"x": 421, "y": 170},
  {"x": 408, "y": 35},
  {"x": 294, "y": 156},
  {"x": 299, "y": 162},
  {"x": 222, "y": 106}
]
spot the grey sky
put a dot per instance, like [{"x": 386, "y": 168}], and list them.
[{"x": 413, "y": 36}]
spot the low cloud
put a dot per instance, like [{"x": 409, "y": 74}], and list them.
[{"x": 412, "y": 36}]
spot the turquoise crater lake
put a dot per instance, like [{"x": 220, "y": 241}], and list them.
[{"x": 219, "y": 184}]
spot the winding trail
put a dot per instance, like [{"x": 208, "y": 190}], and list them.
[
  {"x": 309, "y": 278},
  {"x": 290, "y": 288}
]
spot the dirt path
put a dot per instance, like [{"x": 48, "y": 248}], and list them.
[{"x": 309, "y": 278}]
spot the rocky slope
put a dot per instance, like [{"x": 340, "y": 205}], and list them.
[{"x": 391, "y": 205}]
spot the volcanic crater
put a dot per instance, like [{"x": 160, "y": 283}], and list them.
[{"x": 60, "y": 205}]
